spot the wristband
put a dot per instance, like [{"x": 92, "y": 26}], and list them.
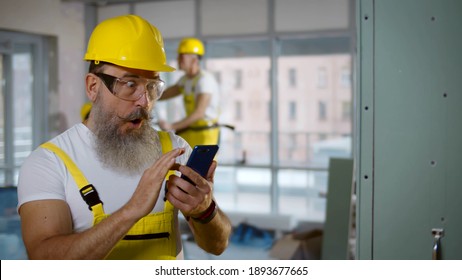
[{"x": 208, "y": 215}]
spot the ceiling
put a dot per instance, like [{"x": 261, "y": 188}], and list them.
[{"x": 108, "y": 2}]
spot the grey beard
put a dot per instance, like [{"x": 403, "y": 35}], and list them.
[{"x": 131, "y": 152}]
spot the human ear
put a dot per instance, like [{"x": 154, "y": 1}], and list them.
[{"x": 92, "y": 84}]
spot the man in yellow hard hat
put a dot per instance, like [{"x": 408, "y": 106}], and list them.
[
  {"x": 99, "y": 189},
  {"x": 200, "y": 92}
]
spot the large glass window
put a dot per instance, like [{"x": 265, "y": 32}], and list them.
[
  {"x": 23, "y": 74},
  {"x": 244, "y": 178},
  {"x": 319, "y": 129},
  {"x": 313, "y": 123},
  {"x": 16, "y": 118}
]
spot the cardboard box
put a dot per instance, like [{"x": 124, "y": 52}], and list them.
[{"x": 298, "y": 246}]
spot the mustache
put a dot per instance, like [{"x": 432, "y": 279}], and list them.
[{"x": 140, "y": 113}]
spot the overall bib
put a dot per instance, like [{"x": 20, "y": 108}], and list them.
[
  {"x": 151, "y": 238},
  {"x": 202, "y": 132}
]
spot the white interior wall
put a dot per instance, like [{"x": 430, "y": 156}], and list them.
[
  {"x": 234, "y": 17},
  {"x": 105, "y": 12},
  {"x": 312, "y": 15},
  {"x": 173, "y": 18},
  {"x": 65, "y": 21}
]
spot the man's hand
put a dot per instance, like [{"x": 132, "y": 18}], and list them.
[
  {"x": 146, "y": 194},
  {"x": 191, "y": 199}
]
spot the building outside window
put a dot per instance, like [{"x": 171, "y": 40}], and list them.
[
  {"x": 293, "y": 77},
  {"x": 245, "y": 180}
]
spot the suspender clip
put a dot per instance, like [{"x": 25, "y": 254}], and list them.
[{"x": 90, "y": 195}]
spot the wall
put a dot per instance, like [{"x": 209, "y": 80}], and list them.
[
  {"x": 65, "y": 21},
  {"x": 175, "y": 19},
  {"x": 178, "y": 18},
  {"x": 409, "y": 137}
]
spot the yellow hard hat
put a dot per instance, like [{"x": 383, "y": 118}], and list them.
[
  {"x": 128, "y": 41},
  {"x": 85, "y": 110},
  {"x": 191, "y": 45}
]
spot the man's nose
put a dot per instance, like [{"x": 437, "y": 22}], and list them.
[{"x": 144, "y": 100}]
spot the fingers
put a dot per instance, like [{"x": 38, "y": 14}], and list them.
[
  {"x": 211, "y": 172},
  {"x": 150, "y": 184},
  {"x": 196, "y": 179},
  {"x": 186, "y": 197},
  {"x": 166, "y": 162},
  {"x": 191, "y": 198}
]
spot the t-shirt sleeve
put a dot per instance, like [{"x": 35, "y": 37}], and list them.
[
  {"x": 40, "y": 177},
  {"x": 179, "y": 142},
  {"x": 207, "y": 85}
]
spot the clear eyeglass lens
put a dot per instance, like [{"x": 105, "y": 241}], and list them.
[{"x": 134, "y": 88}]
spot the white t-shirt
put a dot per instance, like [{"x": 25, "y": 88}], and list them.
[
  {"x": 44, "y": 176},
  {"x": 207, "y": 84}
]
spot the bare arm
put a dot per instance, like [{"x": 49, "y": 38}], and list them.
[
  {"x": 170, "y": 92},
  {"x": 202, "y": 102},
  {"x": 213, "y": 236},
  {"x": 47, "y": 232},
  {"x": 47, "y": 224}
]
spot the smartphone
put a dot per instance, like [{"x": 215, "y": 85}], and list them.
[{"x": 200, "y": 159}]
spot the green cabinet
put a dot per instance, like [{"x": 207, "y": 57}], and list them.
[{"x": 409, "y": 129}]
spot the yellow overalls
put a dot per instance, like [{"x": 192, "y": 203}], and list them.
[
  {"x": 202, "y": 132},
  {"x": 151, "y": 238}
]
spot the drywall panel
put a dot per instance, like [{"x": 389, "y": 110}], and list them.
[
  {"x": 335, "y": 239},
  {"x": 311, "y": 15},
  {"x": 223, "y": 17},
  {"x": 174, "y": 19},
  {"x": 410, "y": 83}
]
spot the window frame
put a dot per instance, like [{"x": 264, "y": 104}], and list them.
[{"x": 14, "y": 42}]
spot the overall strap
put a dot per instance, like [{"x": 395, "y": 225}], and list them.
[
  {"x": 87, "y": 190},
  {"x": 167, "y": 146},
  {"x": 181, "y": 83},
  {"x": 195, "y": 81}
]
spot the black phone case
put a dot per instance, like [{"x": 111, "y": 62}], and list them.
[{"x": 201, "y": 158}]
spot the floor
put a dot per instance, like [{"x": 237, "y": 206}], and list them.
[{"x": 233, "y": 252}]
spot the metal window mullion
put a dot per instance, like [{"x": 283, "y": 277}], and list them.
[
  {"x": 274, "y": 127},
  {"x": 8, "y": 123}
]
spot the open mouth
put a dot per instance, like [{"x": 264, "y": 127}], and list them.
[{"x": 136, "y": 121}]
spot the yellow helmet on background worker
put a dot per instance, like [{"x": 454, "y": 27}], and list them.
[
  {"x": 128, "y": 41},
  {"x": 85, "y": 110},
  {"x": 191, "y": 46}
]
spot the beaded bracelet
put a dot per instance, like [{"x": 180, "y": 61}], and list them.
[{"x": 208, "y": 215}]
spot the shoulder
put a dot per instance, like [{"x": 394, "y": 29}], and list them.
[
  {"x": 208, "y": 83},
  {"x": 207, "y": 76},
  {"x": 43, "y": 163},
  {"x": 179, "y": 142},
  {"x": 63, "y": 140}
]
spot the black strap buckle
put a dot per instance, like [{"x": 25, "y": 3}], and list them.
[{"x": 90, "y": 195}]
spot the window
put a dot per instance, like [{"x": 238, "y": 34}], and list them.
[
  {"x": 346, "y": 111},
  {"x": 22, "y": 102},
  {"x": 292, "y": 111},
  {"x": 22, "y": 116},
  {"x": 322, "y": 111},
  {"x": 306, "y": 144},
  {"x": 249, "y": 177},
  {"x": 292, "y": 77},
  {"x": 238, "y": 79},
  {"x": 238, "y": 110},
  {"x": 322, "y": 77},
  {"x": 249, "y": 144},
  {"x": 345, "y": 77}
]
